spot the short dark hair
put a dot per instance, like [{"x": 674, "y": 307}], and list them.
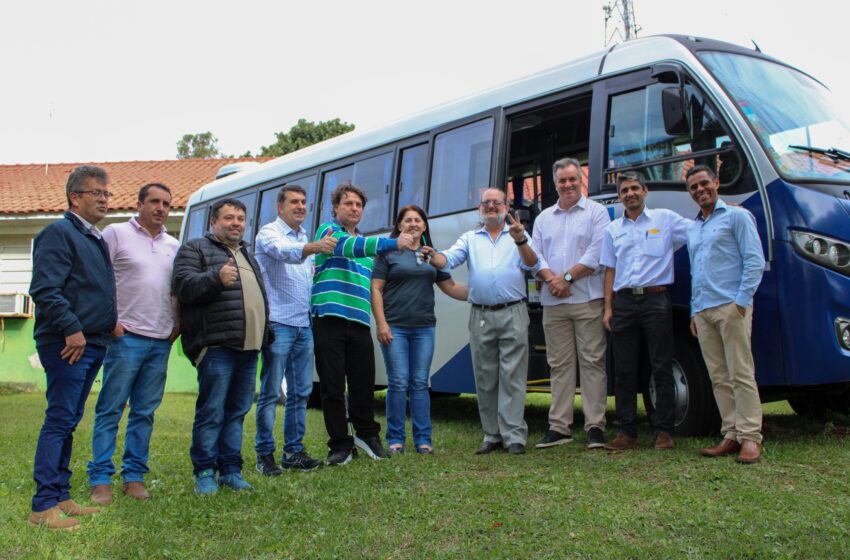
[
  {"x": 411, "y": 208},
  {"x": 337, "y": 194},
  {"x": 226, "y": 202},
  {"x": 143, "y": 192},
  {"x": 630, "y": 176},
  {"x": 77, "y": 179},
  {"x": 699, "y": 168},
  {"x": 281, "y": 196}
]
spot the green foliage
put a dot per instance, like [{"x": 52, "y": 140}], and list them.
[
  {"x": 563, "y": 502},
  {"x": 203, "y": 145},
  {"x": 305, "y": 133}
]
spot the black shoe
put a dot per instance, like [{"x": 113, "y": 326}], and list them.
[
  {"x": 489, "y": 447},
  {"x": 341, "y": 457},
  {"x": 516, "y": 449},
  {"x": 372, "y": 446},
  {"x": 300, "y": 461},
  {"x": 553, "y": 438},
  {"x": 267, "y": 467},
  {"x": 595, "y": 438}
]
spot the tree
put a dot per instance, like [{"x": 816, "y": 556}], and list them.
[
  {"x": 305, "y": 133},
  {"x": 203, "y": 145}
]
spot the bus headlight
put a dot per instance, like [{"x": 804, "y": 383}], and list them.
[
  {"x": 842, "y": 331},
  {"x": 823, "y": 250}
]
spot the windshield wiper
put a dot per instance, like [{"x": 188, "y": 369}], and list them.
[{"x": 834, "y": 153}]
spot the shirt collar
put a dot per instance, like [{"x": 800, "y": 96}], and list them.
[
  {"x": 86, "y": 225},
  {"x": 483, "y": 229},
  {"x": 582, "y": 203},
  {"x": 287, "y": 230},
  {"x": 339, "y": 225},
  {"x": 646, "y": 212},
  {"x": 719, "y": 205},
  {"x": 135, "y": 222}
]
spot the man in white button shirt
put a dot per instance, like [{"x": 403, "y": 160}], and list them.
[
  {"x": 638, "y": 252},
  {"x": 568, "y": 238}
]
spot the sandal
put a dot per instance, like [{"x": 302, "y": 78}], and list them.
[
  {"x": 424, "y": 449},
  {"x": 395, "y": 448}
]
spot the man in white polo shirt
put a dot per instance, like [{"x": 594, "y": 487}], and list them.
[{"x": 142, "y": 254}]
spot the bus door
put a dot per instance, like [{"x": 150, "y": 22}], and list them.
[{"x": 540, "y": 133}]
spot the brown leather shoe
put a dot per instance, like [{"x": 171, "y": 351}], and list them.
[
  {"x": 52, "y": 519},
  {"x": 726, "y": 447},
  {"x": 750, "y": 452},
  {"x": 622, "y": 442},
  {"x": 101, "y": 494},
  {"x": 663, "y": 440},
  {"x": 136, "y": 490},
  {"x": 70, "y": 507}
]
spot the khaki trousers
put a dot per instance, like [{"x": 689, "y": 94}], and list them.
[
  {"x": 724, "y": 337},
  {"x": 499, "y": 344},
  {"x": 568, "y": 328}
]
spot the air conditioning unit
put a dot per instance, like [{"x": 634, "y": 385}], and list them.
[{"x": 15, "y": 305}]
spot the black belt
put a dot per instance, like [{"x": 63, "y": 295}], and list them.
[
  {"x": 497, "y": 306},
  {"x": 644, "y": 290}
]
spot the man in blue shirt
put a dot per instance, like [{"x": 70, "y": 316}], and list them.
[
  {"x": 497, "y": 255},
  {"x": 285, "y": 255},
  {"x": 726, "y": 268},
  {"x": 638, "y": 252},
  {"x": 73, "y": 288}
]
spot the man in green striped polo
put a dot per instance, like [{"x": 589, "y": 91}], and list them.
[{"x": 341, "y": 308}]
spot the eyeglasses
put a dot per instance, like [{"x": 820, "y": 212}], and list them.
[
  {"x": 97, "y": 193},
  {"x": 496, "y": 203}
]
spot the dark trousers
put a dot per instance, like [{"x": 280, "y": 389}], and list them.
[
  {"x": 344, "y": 352},
  {"x": 226, "y": 382},
  {"x": 68, "y": 387},
  {"x": 652, "y": 315}
]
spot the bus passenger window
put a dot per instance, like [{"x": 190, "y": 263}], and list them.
[
  {"x": 249, "y": 200},
  {"x": 461, "y": 167},
  {"x": 411, "y": 181},
  {"x": 373, "y": 175},
  {"x": 268, "y": 201},
  {"x": 197, "y": 225},
  {"x": 332, "y": 180}
]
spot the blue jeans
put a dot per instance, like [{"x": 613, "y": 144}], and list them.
[
  {"x": 134, "y": 370},
  {"x": 226, "y": 381},
  {"x": 408, "y": 361},
  {"x": 291, "y": 354},
  {"x": 68, "y": 386}
]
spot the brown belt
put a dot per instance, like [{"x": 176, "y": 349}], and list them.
[{"x": 644, "y": 290}]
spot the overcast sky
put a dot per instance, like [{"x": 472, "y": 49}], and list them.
[{"x": 95, "y": 80}]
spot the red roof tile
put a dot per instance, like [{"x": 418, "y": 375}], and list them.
[{"x": 33, "y": 188}]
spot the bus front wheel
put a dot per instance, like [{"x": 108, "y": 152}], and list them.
[{"x": 695, "y": 409}]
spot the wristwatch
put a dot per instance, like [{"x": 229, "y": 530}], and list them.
[{"x": 568, "y": 278}]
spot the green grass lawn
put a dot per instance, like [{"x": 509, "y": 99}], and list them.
[{"x": 563, "y": 502}]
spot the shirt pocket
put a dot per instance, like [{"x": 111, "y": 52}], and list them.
[{"x": 653, "y": 245}]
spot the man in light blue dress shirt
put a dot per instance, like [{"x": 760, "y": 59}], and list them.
[
  {"x": 284, "y": 252},
  {"x": 726, "y": 269},
  {"x": 497, "y": 255},
  {"x": 638, "y": 252}
]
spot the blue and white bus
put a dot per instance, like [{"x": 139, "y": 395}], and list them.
[{"x": 657, "y": 105}]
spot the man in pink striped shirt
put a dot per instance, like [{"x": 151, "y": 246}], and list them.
[{"x": 142, "y": 254}]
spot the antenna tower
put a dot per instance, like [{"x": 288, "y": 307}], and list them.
[{"x": 620, "y": 22}]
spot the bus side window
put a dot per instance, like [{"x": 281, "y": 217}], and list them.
[
  {"x": 461, "y": 167},
  {"x": 637, "y": 136},
  {"x": 197, "y": 225},
  {"x": 332, "y": 179},
  {"x": 249, "y": 200},
  {"x": 268, "y": 202},
  {"x": 373, "y": 175},
  {"x": 411, "y": 177}
]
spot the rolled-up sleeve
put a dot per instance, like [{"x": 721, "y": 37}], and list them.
[
  {"x": 457, "y": 254},
  {"x": 277, "y": 246}
]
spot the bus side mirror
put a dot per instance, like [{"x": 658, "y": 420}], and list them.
[{"x": 674, "y": 112}]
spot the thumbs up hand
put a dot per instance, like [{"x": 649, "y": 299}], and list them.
[
  {"x": 228, "y": 273},
  {"x": 327, "y": 243}
]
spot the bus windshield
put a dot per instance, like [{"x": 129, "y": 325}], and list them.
[{"x": 794, "y": 115}]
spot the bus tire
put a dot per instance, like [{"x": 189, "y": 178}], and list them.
[{"x": 696, "y": 409}]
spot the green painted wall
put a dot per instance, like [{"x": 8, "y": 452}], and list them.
[{"x": 17, "y": 355}]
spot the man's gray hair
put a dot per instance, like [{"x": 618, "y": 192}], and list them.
[
  {"x": 77, "y": 179},
  {"x": 565, "y": 162}
]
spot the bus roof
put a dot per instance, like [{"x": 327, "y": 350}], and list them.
[{"x": 621, "y": 57}]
